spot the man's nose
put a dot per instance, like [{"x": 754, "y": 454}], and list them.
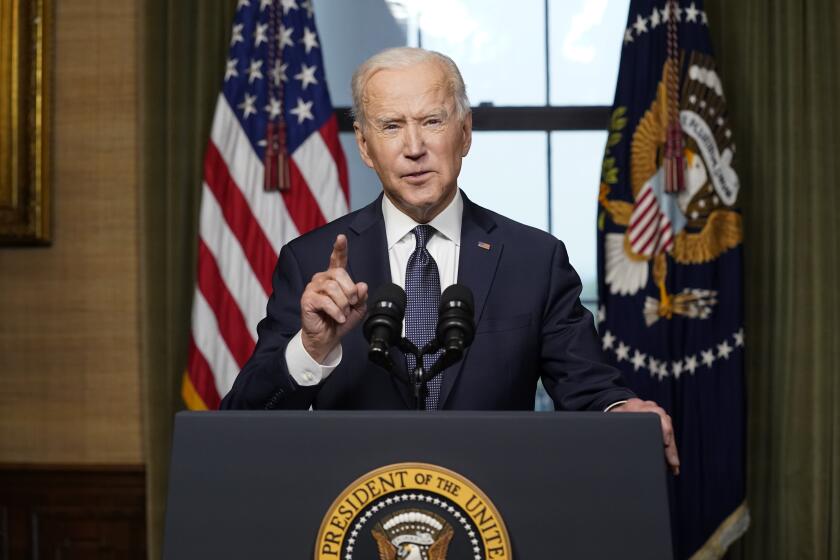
[{"x": 414, "y": 145}]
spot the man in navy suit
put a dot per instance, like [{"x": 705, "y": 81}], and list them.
[{"x": 413, "y": 127}]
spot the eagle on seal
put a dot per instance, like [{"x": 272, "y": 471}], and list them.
[{"x": 413, "y": 535}]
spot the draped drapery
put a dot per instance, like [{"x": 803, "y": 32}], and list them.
[
  {"x": 778, "y": 62},
  {"x": 183, "y": 52}
]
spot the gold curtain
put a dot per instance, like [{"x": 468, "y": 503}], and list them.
[
  {"x": 779, "y": 63},
  {"x": 183, "y": 52}
]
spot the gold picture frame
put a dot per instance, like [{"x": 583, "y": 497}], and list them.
[{"x": 25, "y": 38}]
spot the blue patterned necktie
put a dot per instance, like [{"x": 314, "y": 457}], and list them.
[{"x": 422, "y": 286}]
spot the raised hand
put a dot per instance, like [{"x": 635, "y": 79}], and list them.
[{"x": 331, "y": 305}]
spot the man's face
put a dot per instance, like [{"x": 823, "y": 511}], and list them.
[{"x": 413, "y": 139}]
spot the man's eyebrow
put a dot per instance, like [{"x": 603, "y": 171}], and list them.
[
  {"x": 439, "y": 112},
  {"x": 379, "y": 121}
]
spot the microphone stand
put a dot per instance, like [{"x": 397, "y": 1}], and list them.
[
  {"x": 416, "y": 378},
  {"x": 420, "y": 378}
]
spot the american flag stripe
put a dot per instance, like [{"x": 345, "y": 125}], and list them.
[
  {"x": 669, "y": 240},
  {"x": 646, "y": 230},
  {"x": 645, "y": 227},
  {"x": 317, "y": 167},
  {"x": 238, "y": 215},
  {"x": 660, "y": 237},
  {"x": 650, "y": 230},
  {"x": 247, "y": 172},
  {"x": 301, "y": 203},
  {"x": 329, "y": 133},
  {"x": 210, "y": 344},
  {"x": 643, "y": 207},
  {"x": 645, "y": 211},
  {"x": 232, "y": 325},
  {"x": 239, "y": 277},
  {"x": 643, "y": 221},
  {"x": 651, "y": 243},
  {"x": 203, "y": 393},
  {"x": 242, "y": 227},
  {"x": 645, "y": 202}
]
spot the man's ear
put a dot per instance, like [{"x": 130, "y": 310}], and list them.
[
  {"x": 362, "y": 144},
  {"x": 466, "y": 130}
]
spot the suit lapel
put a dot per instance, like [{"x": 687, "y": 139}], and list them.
[
  {"x": 367, "y": 261},
  {"x": 481, "y": 250},
  {"x": 367, "y": 257}
]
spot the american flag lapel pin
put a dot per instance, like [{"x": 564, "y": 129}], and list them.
[{"x": 484, "y": 245}]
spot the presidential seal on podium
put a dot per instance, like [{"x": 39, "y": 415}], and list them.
[{"x": 412, "y": 511}]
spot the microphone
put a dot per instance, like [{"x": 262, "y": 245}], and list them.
[
  {"x": 456, "y": 325},
  {"x": 383, "y": 324}
]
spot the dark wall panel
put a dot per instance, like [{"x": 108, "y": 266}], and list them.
[{"x": 68, "y": 513}]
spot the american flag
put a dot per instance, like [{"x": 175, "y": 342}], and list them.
[{"x": 274, "y": 75}]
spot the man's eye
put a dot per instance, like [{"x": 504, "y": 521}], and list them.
[
  {"x": 433, "y": 122},
  {"x": 390, "y": 126}
]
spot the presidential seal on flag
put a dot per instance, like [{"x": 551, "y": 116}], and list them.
[
  {"x": 670, "y": 240},
  {"x": 692, "y": 225}
]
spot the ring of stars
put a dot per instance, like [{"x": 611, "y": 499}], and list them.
[
  {"x": 663, "y": 368},
  {"x": 661, "y": 16}
]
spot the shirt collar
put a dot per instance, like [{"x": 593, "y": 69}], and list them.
[{"x": 448, "y": 222}]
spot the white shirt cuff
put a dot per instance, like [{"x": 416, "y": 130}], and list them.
[
  {"x": 613, "y": 405},
  {"x": 304, "y": 369}
]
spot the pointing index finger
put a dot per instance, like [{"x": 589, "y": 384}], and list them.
[{"x": 338, "y": 257}]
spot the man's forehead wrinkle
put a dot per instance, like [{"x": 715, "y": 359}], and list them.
[
  {"x": 391, "y": 117},
  {"x": 383, "y": 108},
  {"x": 438, "y": 92}
]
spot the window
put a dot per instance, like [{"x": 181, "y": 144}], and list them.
[{"x": 541, "y": 77}]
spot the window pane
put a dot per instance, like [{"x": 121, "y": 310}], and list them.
[
  {"x": 585, "y": 38},
  {"x": 575, "y": 176},
  {"x": 543, "y": 402},
  {"x": 498, "y": 46},
  {"x": 350, "y": 32},
  {"x": 507, "y": 172}
]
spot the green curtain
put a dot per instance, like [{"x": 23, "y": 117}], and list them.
[
  {"x": 778, "y": 61},
  {"x": 183, "y": 51}
]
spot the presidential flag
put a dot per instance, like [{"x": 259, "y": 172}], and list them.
[
  {"x": 273, "y": 169},
  {"x": 669, "y": 260}
]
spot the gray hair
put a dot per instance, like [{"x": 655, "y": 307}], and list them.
[{"x": 405, "y": 57}]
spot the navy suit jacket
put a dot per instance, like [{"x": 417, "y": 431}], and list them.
[{"x": 529, "y": 324}]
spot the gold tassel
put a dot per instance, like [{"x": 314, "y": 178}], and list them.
[{"x": 277, "y": 175}]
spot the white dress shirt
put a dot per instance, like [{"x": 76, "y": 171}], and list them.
[{"x": 445, "y": 248}]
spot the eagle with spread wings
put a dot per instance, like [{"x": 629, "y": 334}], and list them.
[
  {"x": 694, "y": 226},
  {"x": 408, "y": 550}
]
